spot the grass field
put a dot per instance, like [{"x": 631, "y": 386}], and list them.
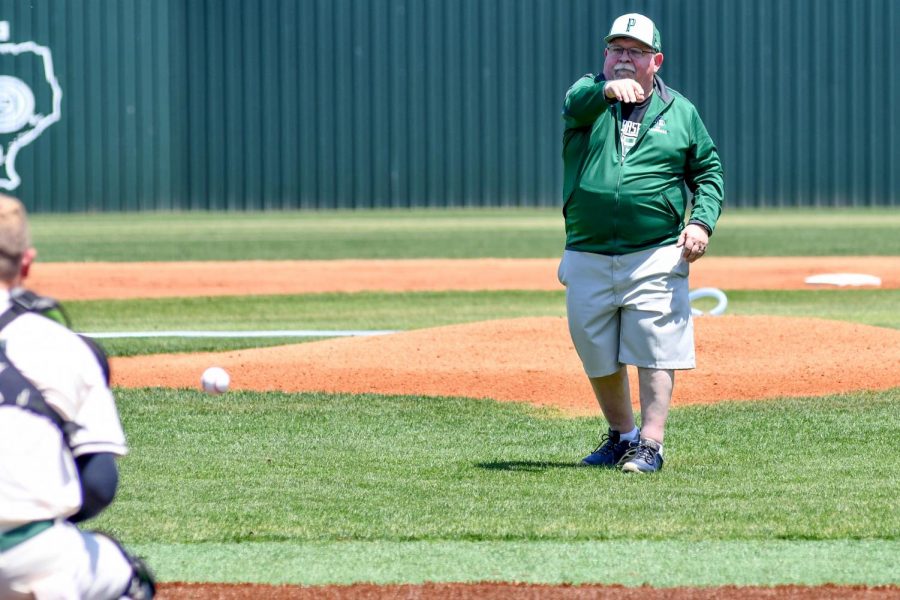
[
  {"x": 314, "y": 488},
  {"x": 497, "y": 233},
  {"x": 305, "y": 478}
]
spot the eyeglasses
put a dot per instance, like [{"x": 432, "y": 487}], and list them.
[{"x": 633, "y": 53}]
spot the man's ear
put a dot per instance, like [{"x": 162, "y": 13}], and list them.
[{"x": 27, "y": 260}]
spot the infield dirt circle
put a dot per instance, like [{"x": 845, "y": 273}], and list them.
[{"x": 523, "y": 360}]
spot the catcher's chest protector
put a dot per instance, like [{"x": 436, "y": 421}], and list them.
[
  {"x": 17, "y": 391},
  {"x": 25, "y": 301}
]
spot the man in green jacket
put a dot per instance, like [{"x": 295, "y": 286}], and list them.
[{"x": 632, "y": 150}]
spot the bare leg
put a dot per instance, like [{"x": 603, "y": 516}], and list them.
[
  {"x": 656, "y": 395},
  {"x": 614, "y": 397}
]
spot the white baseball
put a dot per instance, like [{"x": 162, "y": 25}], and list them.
[{"x": 215, "y": 380}]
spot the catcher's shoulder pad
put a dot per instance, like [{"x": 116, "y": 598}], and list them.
[
  {"x": 24, "y": 300},
  {"x": 16, "y": 390}
]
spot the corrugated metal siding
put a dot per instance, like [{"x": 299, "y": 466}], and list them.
[
  {"x": 112, "y": 149},
  {"x": 242, "y": 104},
  {"x": 795, "y": 94}
]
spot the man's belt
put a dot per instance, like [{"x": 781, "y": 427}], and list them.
[{"x": 16, "y": 536}]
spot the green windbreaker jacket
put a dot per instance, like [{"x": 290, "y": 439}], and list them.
[{"x": 638, "y": 201}]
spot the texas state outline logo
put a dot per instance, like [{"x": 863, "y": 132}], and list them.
[{"x": 24, "y": 115}]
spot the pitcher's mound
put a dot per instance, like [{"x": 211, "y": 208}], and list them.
[{"x": 533, "y": 360}]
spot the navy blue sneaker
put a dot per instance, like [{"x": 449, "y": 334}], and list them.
[
  {"x": 611, "y": 451},
  {"x": 647, "y": 459}
]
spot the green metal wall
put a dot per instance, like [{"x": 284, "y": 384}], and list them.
[
  {"x": 112, "y": 148},
  {"x": 249, "y": 104}
]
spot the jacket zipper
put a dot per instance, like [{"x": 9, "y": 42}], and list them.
[
  {"x": 643, "y": 132},
  {"x": 618, "y": 117}
]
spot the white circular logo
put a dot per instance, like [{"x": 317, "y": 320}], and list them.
[{"x": 16, "y": 104}]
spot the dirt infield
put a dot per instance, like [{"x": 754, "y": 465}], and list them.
[
  {"x": 526, "y": 360},
  {"x": 523, "y": 360},
  {"x": 532, "y": 360}
]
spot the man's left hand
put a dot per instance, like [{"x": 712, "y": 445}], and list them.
[{"x": 693, "y": 241}]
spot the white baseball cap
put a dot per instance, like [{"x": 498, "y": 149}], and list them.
[{"x": 637, "y": 27}]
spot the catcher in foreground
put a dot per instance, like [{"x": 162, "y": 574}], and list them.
[{"x": 59, "y": 438}]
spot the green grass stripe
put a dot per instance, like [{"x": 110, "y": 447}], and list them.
[
  {"x": 810, "y": 218},
  {"x": 252, "y": 467},
  {"x": 422, "y": 233},
  {"x": 306, "y": 235},
  {"x": 414, "y": 310},
  {"x": 626, "y": 562},
  {"x": 878, "y": 307}
]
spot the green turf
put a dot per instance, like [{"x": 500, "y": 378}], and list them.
[
  {"x": 366, "y": 310},
  {"x": 458, "y": 233},
  {"x": 168, "y": 345},
  {"x": 299, "y": 235},
  {"x": 363, "y": 310},
  {"x": 374, "y": 310},
  {"x": 870, "y": 307},
  {"x": 662, "y": 564},
  {"x": 333, "y": 467},
  {"x": 304, "y": 469},
  {"x": 804, "y": 232}
]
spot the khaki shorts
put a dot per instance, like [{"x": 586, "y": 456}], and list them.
[{"x": 632, "y": 309}]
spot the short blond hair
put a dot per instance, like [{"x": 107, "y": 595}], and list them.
[{"x": 15, "y": 238}]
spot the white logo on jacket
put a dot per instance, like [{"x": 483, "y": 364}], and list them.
[{"x": 630, "y": 130}]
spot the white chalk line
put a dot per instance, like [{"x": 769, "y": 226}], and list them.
[{"x": 242, "y": 334}]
